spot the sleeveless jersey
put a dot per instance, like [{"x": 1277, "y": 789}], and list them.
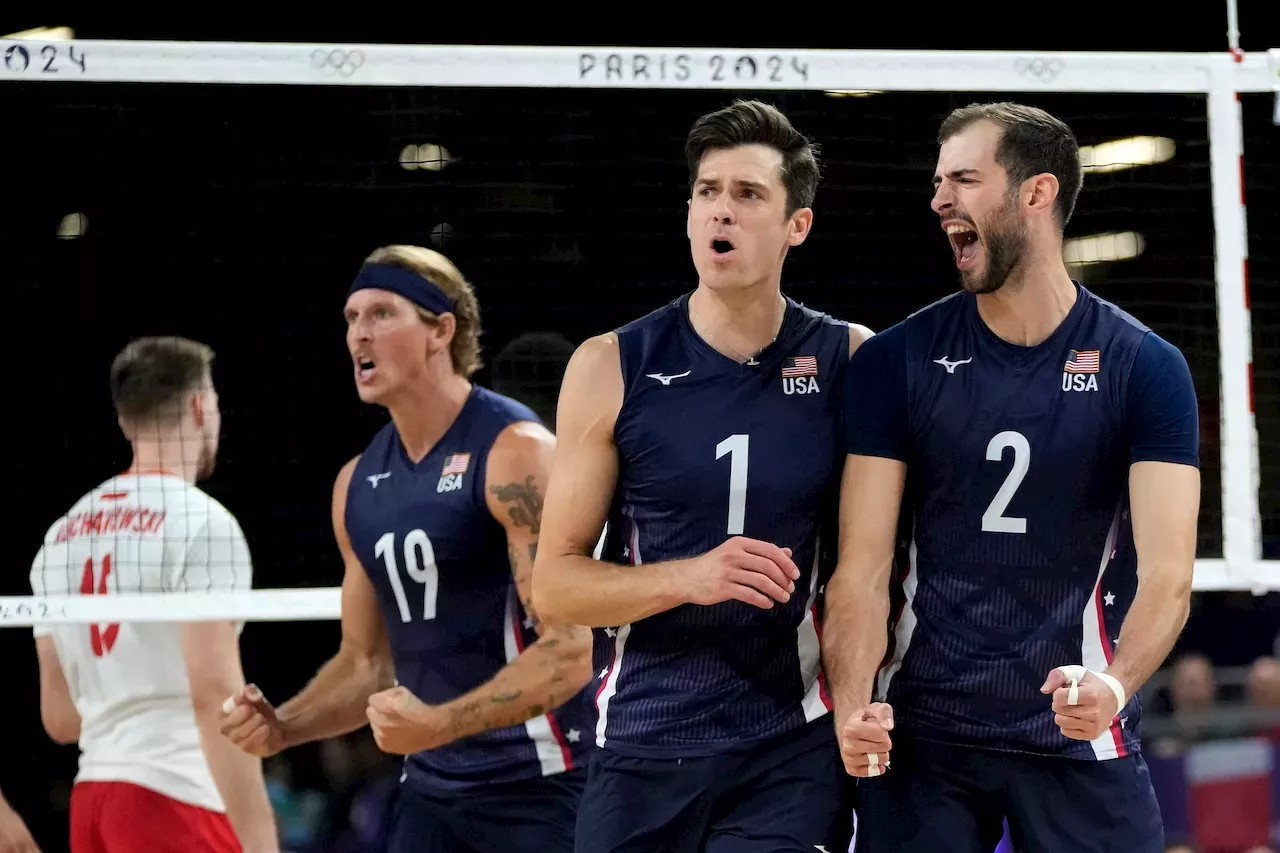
[
  {"x": 1017, "y": 549},
  {"x": 438, "y": 560},
  {"x": 710, "y": 448},
  {"x": 139, "y": 533}
]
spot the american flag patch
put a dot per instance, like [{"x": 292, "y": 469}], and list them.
[
  {"x": 1083, "y": 361},
  {"x": 456, "y": 464},
  {"x": 800, "y": 365}
]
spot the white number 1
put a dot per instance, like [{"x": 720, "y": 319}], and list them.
[
  {"x": 419, "y": 564},
  {"x": 994, "y": 520},
  {"x": 737, "y": 478}
]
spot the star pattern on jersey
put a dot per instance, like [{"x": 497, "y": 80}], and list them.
[
  {"x": 611, "y": 632},
  {"x": 573, "y": 735},
  {"x": 528, "y": 622},
  {"x": 1109, "y": 599},
  {"x": 603, "y": 673},
  {"x": 626, "y": 550}
]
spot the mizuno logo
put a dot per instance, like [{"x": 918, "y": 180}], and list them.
[
  {"x": 951, "y": 365},
  {"x": 374, "y": 478},
  {"x": 666, "y": 380}
]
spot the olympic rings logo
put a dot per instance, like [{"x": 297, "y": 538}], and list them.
[
  {"x": 1041, "y": 69},
  {"x": 337, "y": 61}
]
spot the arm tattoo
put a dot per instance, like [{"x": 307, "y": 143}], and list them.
[{"x": 524, "y": 503}]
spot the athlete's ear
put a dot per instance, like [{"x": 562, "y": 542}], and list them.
[
  {"x": 197, "y": 408},
  {"x": 800, "y": 223},
  {"x": 1040, "y": 192}
]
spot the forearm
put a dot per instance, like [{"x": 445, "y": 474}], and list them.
[
  {"x": 578, "y": 590},
  {"x": 1151, "y": 627},
  {"x": 543, "y": 677},
  {"x": 238, "y": 777},
  {"x": 333, "y": 702},
  {"x": 854, "y": 637}
]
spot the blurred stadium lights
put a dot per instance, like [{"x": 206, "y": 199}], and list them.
[
  {"x": 73, "y": 225},
  {"x": 428, "y": 156},
  {"x": 45, "y": 34},
  {"x": 1126, "y": 153},
  {"x": 850, "y": 93},
  {"x": 1102, "y": 248}
]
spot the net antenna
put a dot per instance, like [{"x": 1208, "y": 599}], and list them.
[{"x": 1221, "y": 77}]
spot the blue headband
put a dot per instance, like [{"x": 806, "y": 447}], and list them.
[{"x": 418, "y": 289}]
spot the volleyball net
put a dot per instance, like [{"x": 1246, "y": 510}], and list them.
[{"x": 228, "y": 192}]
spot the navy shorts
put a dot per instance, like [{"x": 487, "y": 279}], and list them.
[
  {"x": 787, "y": 794},
  {"x": 939, "y": 797},
  {"x": 536, "y": 816}
]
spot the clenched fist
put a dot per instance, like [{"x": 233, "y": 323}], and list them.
[
  {"x": 864, "y": 740},
  {"x": 403, "y": 724},
  {"x": 249, "y": 721}
]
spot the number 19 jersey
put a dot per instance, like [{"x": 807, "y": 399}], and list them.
[
  {"x": 438, "y": 560},
  {"x": 710, "y": 448},
  {"x": 1018, "y": 547}
]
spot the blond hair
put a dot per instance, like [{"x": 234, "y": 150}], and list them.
[{"x": 464, "y": 349}]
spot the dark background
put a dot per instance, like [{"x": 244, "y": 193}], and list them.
[{"x": 238, "y": 215}]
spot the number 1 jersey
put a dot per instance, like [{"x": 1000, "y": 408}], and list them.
[
  {"x": 710, "y": 448},
  {"x": 1017, "y": 552},
  {"x": 439, "y": 562}
]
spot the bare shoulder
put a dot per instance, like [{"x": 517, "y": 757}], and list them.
[
  {"x": 521, "y": 444},
  {"x": 343, "y": 480},
  {"x": 591, "y": 393},
  {"x": 858, "y": 333},
  {"x": 597, "y": 358}
]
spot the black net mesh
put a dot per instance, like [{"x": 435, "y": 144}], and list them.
[{"x": 237, "y": 215}]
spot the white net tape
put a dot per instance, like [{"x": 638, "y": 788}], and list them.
[{"x": 1219, "y": 77}]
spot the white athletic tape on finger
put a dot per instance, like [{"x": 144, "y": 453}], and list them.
[
  {"x": 873, "y": 770},
  {"x": 1076, "y": 673},
  {"x": 873, "y": 761},
  {"x": 1073, "y": 672}
]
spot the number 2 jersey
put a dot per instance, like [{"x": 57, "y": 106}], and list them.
[
  {"x": 138, "y": 533},
  {"x": 1018, "y": 552},
  {"x": 710, "y": 448},
  {"x": 439, "y": 562}
]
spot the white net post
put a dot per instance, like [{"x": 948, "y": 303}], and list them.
[{"x": 1241, "y": 520}]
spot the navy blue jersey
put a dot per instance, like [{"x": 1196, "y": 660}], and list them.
[
  {"x": 438, "y": 560},
  {"x": 1018, "y": 549},
  {"x": 710, "y": 448}
]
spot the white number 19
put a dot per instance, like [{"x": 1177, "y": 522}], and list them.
[{"x": 419, "y": 564}]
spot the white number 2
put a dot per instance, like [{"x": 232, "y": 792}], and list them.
[
  {"x": 994, "y": 520},
  {"x": 419, "y": 564},
  {"x": 737, "y": 446}
]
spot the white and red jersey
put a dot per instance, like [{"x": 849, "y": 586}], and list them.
[{"x": 139, "y": 533}]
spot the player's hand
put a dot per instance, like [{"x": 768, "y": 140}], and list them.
[
  {"x": 249, "y": 721},
  {"x": 14, "y": 835},
  {"x": 742, "y": 569},
  {"x": 403, "y": 724},
  {"x": 1094, "y": 708},
  {"x": 864, "y": 740}
]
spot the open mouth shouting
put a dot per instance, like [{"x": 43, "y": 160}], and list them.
[
  {"x": 964, "y": 242},
  {"x": 722, "y": 248},
  {"x": 365, "y": 367}
]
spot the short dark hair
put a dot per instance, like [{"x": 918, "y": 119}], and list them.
[
  {"x": 151, "y": 376},
  {"x": 758, "y": 123},
  {"x": 1032, "y": 142}
]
